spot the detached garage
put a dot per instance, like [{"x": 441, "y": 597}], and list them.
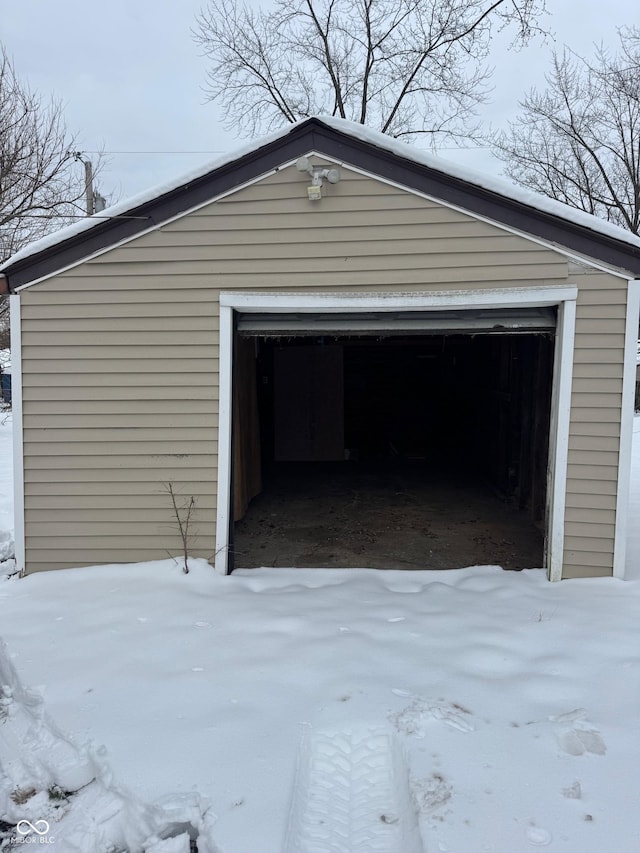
[{"x": 348, "y": 352}]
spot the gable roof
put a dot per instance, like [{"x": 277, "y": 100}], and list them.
[{"x": 354, "y": 145}]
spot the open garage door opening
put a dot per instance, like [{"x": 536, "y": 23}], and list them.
[{"x": 397, "y": 448}]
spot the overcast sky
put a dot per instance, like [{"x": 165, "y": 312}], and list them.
[{"x": 130, "y": 77}]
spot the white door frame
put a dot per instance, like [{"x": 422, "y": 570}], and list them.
[
  {"x": 265, "y": 302},
  {"x": 626, "y": 428}
]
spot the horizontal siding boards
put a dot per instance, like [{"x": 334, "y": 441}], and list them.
[
  {"x": 361, "y": 226},
  {"x": 329, "y": 233},
  {"x": 112, "y": 337},
  {"x": 584, "y": 570},
  {"x": 317, "y": 276},
  {"x": 582, "y": 488},
  {"x": 131, "y": 420},
  {"x": 157, "y": 370},
  {"x": 120, "y": 398},
  {"x": 126, "y": 547},
  {"x": 123, "y": 408},
  {"x": 575, "y": 560},
  {"x": 113, "y": 539},
  {"x": 108, "y": 500},
  {"x": 134, "y": 478},
  {"x": 44, "y": 559},
  {"x": 608, "y": 443},
  {"x": 592, "y": 517},
  {"x": 595, "y": 290},
  {"x": 370, "y": 269},
  {"x": 595, "y": 425},
  {"x": 101, "y": 455},
  {"x": 602, "y": 402},
  {"x": 606, "y": 339},
  {"x": 152, "y": 307},
  {"x": 38, "y": 330},
  {"x": 578, "y": 501},
  {"x": 119, "y": 392},
  {"x": 100, "y": 521},
  {"x": 226, "y": 255},
  {"x": 601, "y": 385},
  {"x": 585, "y": 414},
  {"x": 601, "y": 370},
  {"x": 591, "y": 544},
  {"x": 608, "y": 355},
  {"x": 596, "y": 529},
  {"x": 153, "y": 434},
  {"x": 96, "y": 294},
  {"x": 593, "y": 458},
  {"x": 597, "y": 428},
  {"x": 606, "y": 311},
  {"x": 601, "y": 327},
  {"x": 161, "y": 385},
  {"x": 592, "y": 477}
]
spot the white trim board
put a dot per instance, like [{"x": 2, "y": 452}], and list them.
[
  {"x": 270, "y": 302},
  {"x": 16, "y": 408},
  {"x": 443, "y": 300},
  {"x": 225, "y": 423},
  {"x": 559, "y": 438}
]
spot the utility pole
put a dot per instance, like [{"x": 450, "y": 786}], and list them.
[
  {"x": 94, "y": 202},
  {"x": 88, "y": 186}
]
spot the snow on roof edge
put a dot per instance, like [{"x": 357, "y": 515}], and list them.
[{"x": 500, "y": 186}]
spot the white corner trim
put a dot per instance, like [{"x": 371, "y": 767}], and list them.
[
  {"x": 311, "y": 303},
  {"x": 271, "y": 302},
  {"x": 225, "y": 423},
  {"x": 559, "y": 437},
  {"x": 16, "y": 407},
  {"x": 626, "y": 428}
]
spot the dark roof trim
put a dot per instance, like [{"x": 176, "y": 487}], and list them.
[{"x": 313, "y": 134}]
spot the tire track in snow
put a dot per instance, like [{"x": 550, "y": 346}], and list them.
[{"x": 352, "y": 795}]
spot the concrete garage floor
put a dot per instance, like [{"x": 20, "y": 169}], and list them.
[{"x": 386, "y": 515}]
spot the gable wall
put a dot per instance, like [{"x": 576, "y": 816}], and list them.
[{"x": 121, "y": 351}]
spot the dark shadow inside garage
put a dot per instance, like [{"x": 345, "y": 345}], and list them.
[{"x": 391, "y": 450}]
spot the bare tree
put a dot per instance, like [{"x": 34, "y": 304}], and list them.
[
  {"x": 40, "y": 185},
  {"x": 404, "y": 67},
  {"x": 579, "y": 140},
  {"x": 42, "y": 188}
]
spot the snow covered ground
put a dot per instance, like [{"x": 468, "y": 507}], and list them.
[{"x": 312, "y": 711}]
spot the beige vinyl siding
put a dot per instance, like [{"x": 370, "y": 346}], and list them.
[
  {"x": 121, "y": 355},
  {"x": 364, "y": 233},
  {"x": 114, "y": 409},
  {"x": 594, "y": 432}
]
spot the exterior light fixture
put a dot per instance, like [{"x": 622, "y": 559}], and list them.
[{"x": 318, "y": 174}]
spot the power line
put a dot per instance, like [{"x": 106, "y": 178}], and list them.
[
  {"x": 154, "y": 152},
  {"x": 220, "y": 151},
  {"x": 78, "y": 216}
]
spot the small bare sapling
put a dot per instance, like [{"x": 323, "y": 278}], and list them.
[{"x": 182, "y": 509}]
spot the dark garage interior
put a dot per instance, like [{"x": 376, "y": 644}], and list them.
[{"x": 392, "y": 449}]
